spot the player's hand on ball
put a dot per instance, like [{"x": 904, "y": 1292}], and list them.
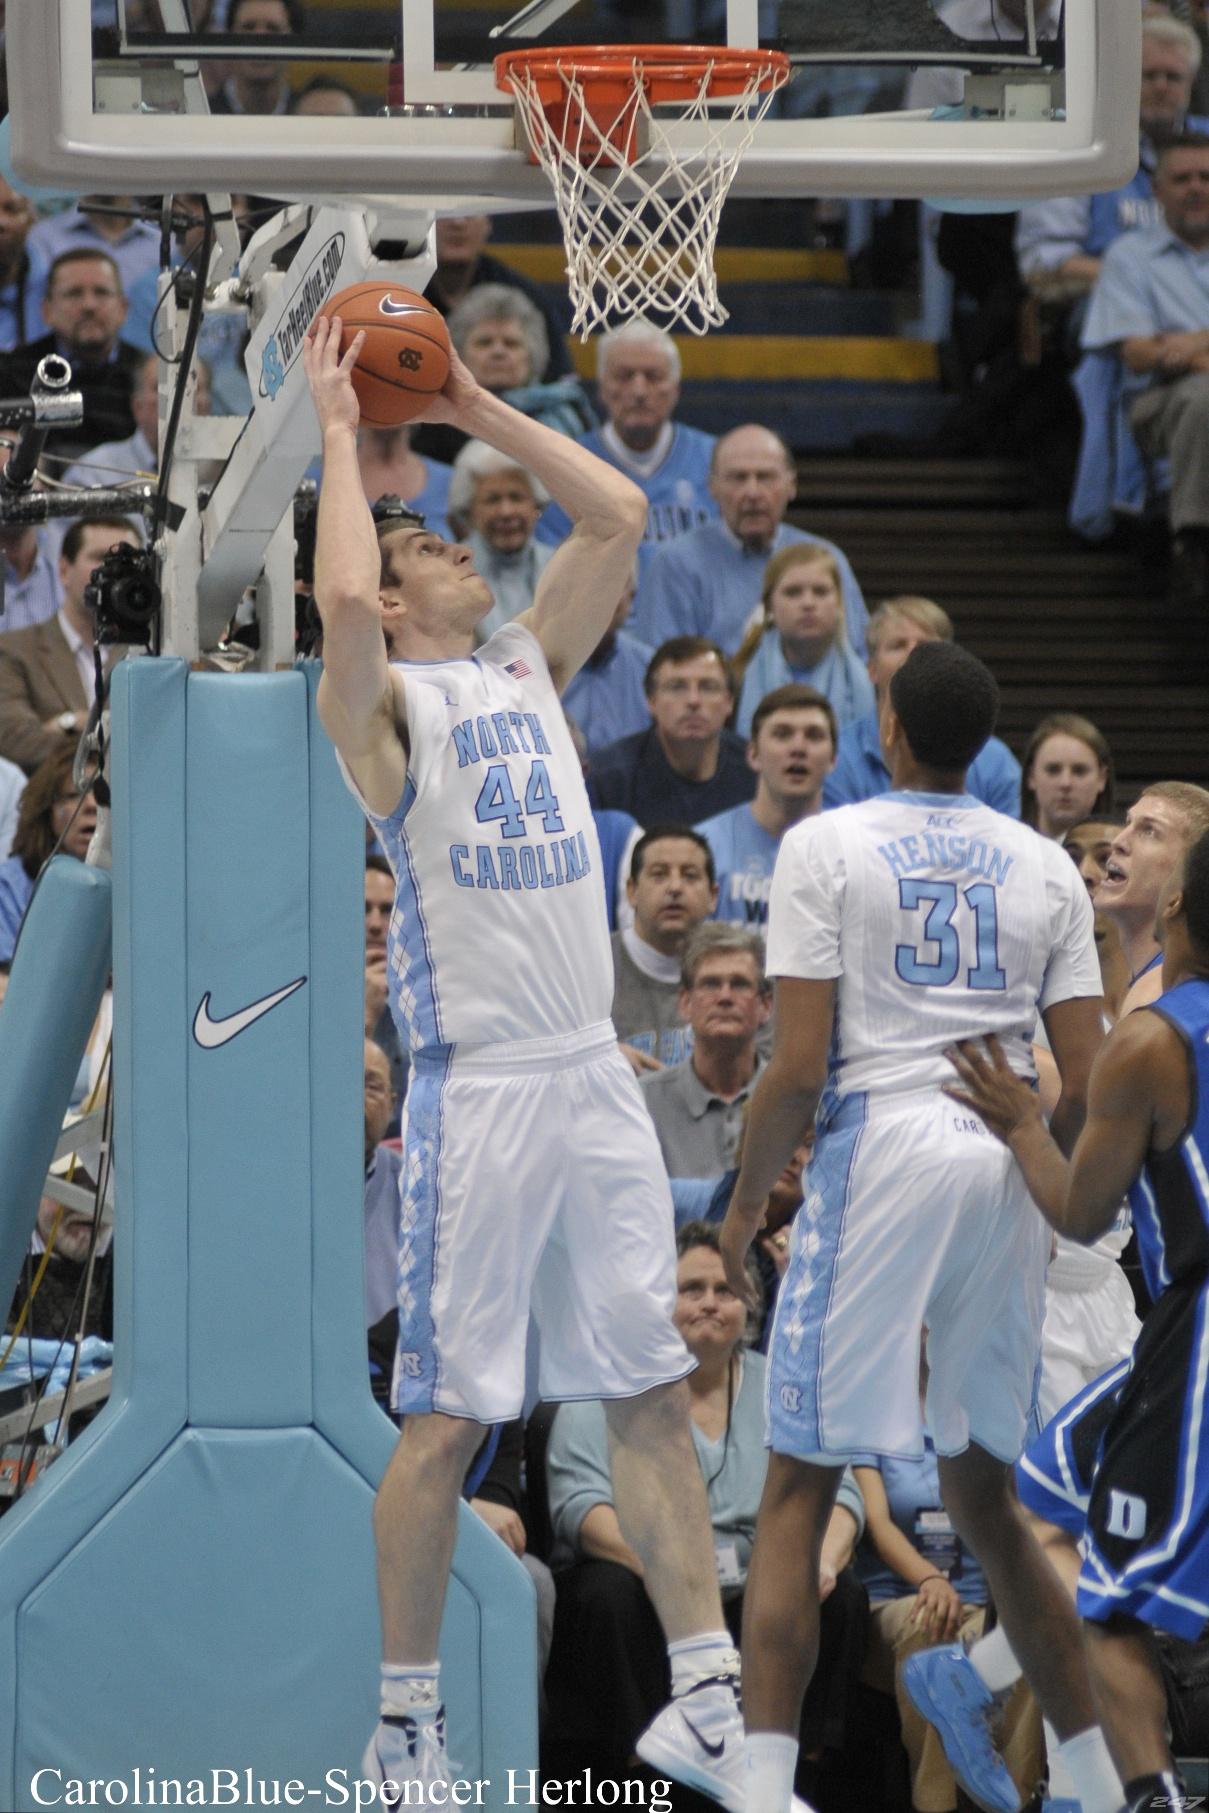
[
  {"x": 990, "y": 1087},
  {"x": 329, "y": 375},
  {"x": 457, "y": 397}
]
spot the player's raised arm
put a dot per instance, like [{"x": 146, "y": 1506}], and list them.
[
  {"x": 578, "y": 591},
  {"x": 356, "y": 700},
  {"x": 1137, "y": 1099}
]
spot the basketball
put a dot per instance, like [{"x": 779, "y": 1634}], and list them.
[{"x": 405, "y": 358}]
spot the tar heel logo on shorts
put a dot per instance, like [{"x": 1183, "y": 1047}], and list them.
[
  {"x": 1126, "y": 1516},
  {"x": 211, "y": 1033},
  {"x": 791, "y": 1398},
  {"x": 409, "y": 1365}
]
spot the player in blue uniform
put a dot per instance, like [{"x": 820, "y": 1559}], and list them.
[
  {"x": 1147, "y": 1555},
  {"x": 501, "y": 981}
]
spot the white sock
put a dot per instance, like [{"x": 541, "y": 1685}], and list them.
[
  {"x": 771, "y": 1759},
  {"x": 704, "y": 1657},
  {"x": 410, "y": 1688},
  {"x": 993, "y": 1662},
  {"x": 1097, "y": 1784},
  {"x": 1061, "y": 1781}
]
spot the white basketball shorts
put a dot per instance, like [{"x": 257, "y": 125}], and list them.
[
  {"x": 532, "y": 1180},
  {"x": 1086, "y": 1331},
  {"x": 914, "y": 1217}
]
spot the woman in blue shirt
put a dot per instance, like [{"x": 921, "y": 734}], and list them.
[
  {"x": 608, "y": 1671},
  {"x": 801, "y": 638}
]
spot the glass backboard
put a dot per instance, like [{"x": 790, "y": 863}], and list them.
[{"x": 888, "y": 97}]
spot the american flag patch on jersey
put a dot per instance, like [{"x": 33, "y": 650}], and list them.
[{"x": 520, "y": 670}]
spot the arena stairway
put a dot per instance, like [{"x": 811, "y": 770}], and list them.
[
  {"x": 803, "y": 350},
  {"x": 1065, "y": 627}
]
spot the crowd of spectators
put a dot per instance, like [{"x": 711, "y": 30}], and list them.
[{"x": 737, "y": 691}]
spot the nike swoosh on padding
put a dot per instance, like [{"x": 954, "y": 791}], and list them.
[
  {"x": 388, "y": 306},
  {"x": 210, "y": 1033},
  {"x": 714, "y": 1750}
]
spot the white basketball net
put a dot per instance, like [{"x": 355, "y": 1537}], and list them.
[{"x": 640, "y": 230}]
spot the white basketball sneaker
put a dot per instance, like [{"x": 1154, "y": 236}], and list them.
[
  {"x": 698, "y": 1740},
  {"x": 404, "y": 1749}
]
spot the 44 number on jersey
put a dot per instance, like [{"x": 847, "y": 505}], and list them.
[{"x": 497, "y": 801}]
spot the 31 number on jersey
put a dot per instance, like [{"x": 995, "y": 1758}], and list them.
[{"x": 957, "y": 927}]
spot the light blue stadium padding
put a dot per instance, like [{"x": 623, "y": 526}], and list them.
[
  {"x": 45, "y": 198},
  {"x": 191, "y": 1586},
  {"x": 59, "y": 974}
]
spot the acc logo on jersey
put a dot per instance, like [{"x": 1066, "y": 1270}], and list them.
[{"x": 791, "y": 1398}]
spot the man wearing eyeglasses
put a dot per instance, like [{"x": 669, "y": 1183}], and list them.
[
  {"x": 687, "y": 766},
  {"x": 697, "y": 1106}
]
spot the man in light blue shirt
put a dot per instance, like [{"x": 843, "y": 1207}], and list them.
[
  {"x": 1151, "y": 306},
  {"x": 22, "y": 278},
  {"x": 638, "y": 384},
  {"x": 89, "y": 225},
  {"x": 860, "y": 772},
  {"x": 1067, "y": 236},
  {"x": 792, "y": 750},
  {"x": 30, "y": 592},
  {"x": 607, "y": 698},
  {"x": 709, "y": 581}
]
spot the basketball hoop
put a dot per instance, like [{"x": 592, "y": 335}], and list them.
[{"x": 639, "y": 207}]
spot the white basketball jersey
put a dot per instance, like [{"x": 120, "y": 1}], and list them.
[
  {"x": 940, "y": 919},
  {"x": 499, "y": 930}
]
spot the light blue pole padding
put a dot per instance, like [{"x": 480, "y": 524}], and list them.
[
  {"x": 191, "y": 1587},
  {"x": 58, "y": 976},
  {"x": 45, "y": 198}
]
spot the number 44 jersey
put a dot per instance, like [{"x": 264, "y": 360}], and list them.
[
  {"x": 939, "y": 919},
  {"x": 499, "y": 930}
]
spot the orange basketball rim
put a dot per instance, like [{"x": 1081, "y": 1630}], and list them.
[{"x": 639, "y": 197}]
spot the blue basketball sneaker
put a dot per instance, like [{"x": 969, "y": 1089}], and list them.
[{"x": 947, "y": 1690}]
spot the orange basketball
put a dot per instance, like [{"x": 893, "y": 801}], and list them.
[{"x": 405, "y": 358}]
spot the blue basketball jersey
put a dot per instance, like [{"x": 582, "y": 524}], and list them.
[
  {"x": 1170, "y": 1199},
  {"x": 677, "y": 491}
]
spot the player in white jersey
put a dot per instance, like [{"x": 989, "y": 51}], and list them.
[
  {"x": 532, "y": 1178},
  {"x": 896, "y": 925}
]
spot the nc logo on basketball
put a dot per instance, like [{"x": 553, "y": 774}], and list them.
[
  {"x": 410, "y": 358},
  {"x": 791, "y": 1399}
]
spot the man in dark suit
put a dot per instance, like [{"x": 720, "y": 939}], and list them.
[
  {"x": 84, "y": 308},
  {"x": 46, "y": 673}
]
